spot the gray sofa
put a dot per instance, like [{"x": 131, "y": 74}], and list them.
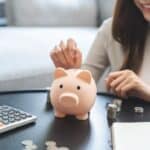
[
  {"x": 58, "y": 12},
  {"x": 24, "y": 51},
  {"x": 24, "y": 54}
]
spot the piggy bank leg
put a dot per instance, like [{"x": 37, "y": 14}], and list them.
[
  {"x": 82, "y": 117},
  {"x": 59, "y": 114}
]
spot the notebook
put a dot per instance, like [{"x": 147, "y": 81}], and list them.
[{"x": 131, "y": 136}]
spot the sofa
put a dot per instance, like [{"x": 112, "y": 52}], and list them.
[
  {"x": 58, "y": 12},
  {"x": 29, "y": 37}
]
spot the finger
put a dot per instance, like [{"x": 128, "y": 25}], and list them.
[
  {"x": 71, "y": 44},
  {"x": 74, "y": 42},
  {"x": 112, "y": 76},
  {"x": 62, "y": 45},
  {"x": 108, "y": 81},
  {"x": 66, "y": 55},
  {"x": 52, "y": 55},
  {"x": 115, "y": 74},
  {"x": 55, "y": 59},
  {"x": 68, "y": 58},
  {"x": 126, "y": 89},
  {"x": 117, "y": 81},
  {"x": 69, "y": 50},
  {"x": 78, "y": 58},
  {"x": 119, "y": 88},
  {"x": 60, "y": 56}
]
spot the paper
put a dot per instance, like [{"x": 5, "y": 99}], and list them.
[{"x": 131, "y": 136}]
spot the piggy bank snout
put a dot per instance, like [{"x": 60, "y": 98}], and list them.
[{"x": 69, "y": 99}]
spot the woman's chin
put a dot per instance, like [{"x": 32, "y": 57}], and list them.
[{"x": 147, "y": 17}]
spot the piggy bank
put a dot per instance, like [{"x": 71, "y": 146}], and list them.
[{"x": 73, "y": 92}]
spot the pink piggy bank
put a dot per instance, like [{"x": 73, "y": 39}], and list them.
[{"x": 73, "y": 92}]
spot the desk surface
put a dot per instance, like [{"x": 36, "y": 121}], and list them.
[{"x": 93, "y": 134}]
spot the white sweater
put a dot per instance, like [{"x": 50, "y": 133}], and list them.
[{"x": 108, "y": 53}]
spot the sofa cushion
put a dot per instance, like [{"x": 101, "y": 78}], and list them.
[
  {"x": 51, "y": 12},
  {"x": 24, "y": 54},
  {"x": 106, "y": 8}
]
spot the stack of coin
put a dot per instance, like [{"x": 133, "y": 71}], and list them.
[
  {"x": 51, "y": 145},
  {"x": 29, "y": 145},
  {"x": 112, "y": 111},
  {"x": 118, "y": 103},
  {"x": 139, "y": 110}
]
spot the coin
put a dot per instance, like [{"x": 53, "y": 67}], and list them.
[{"x": 138, "y": 109}]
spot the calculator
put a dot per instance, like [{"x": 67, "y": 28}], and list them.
[{"x": 11, "y": 118}]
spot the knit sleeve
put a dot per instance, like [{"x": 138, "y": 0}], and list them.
[{"x": 97, "y": 59}]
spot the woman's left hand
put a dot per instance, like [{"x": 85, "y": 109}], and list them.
[{"x": 126, "y": 83}]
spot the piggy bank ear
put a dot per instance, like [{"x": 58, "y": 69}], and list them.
[
  {"x": 85, "y": 75},
  {"x": 59, "y": 72}
]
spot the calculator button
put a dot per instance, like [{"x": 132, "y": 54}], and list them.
[
  {"x": 11, "y": 111},
  {"x": 5, "y": 117},
  {"x": 5, "y": 112},
  {"x": 5, "y": 107},
  {"x": 5, "y": 121},
  {"x": 29, "y": 116},
  {"x": 11, "y": 120},
  {"x": 17, "y": 113},
  {"x": 17, "y": 118},
  {"x": 1, "y": 115},
  {"x": 23, "y": 116},
  {"x": 11, "y": 116}
]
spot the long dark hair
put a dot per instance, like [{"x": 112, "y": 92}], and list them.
[{"x": 130, "y": 29}]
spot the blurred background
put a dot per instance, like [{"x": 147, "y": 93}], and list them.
[
  {"x": 55, "y": 12},
  {"x": 29, "y": 29}
]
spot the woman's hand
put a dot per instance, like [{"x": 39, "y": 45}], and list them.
[
  {"x": 67, "y": 55},
  {"x": 126, "y": 83}
]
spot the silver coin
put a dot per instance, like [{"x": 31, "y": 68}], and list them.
[
  {"x": 32, "y": 147},
  {"x": 138, "y": 109},
  {"x": 27, "y": 142},
  {"x": 63, "y": 148},
  {"x": 50, "y": 143},
  {"x": 112, "y": 111},
  {"x": 51, "y": 148},
  {"x": 117, "y": 102}
]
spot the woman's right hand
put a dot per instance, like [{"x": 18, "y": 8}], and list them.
[{"x": 66, "y": 55}]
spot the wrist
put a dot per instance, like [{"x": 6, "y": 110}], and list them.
[{"x": 146, "y": 93}]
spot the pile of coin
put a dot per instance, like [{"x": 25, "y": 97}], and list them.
[
  {"x": 112, "y": 111},
  {"x": 118, "y": 103},
  {"x": 29, "y": 145},
  {"x": 50, "y": 145},
  {"x": 113, "y": 108},
  {"x": 139, "y": 110}
]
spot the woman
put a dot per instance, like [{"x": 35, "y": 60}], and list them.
[{"x": 123, "y": 44}]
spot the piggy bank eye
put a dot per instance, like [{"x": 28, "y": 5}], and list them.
[
  {"x": 61, "y": 86},
  {"x": 78, "y": 87}
]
